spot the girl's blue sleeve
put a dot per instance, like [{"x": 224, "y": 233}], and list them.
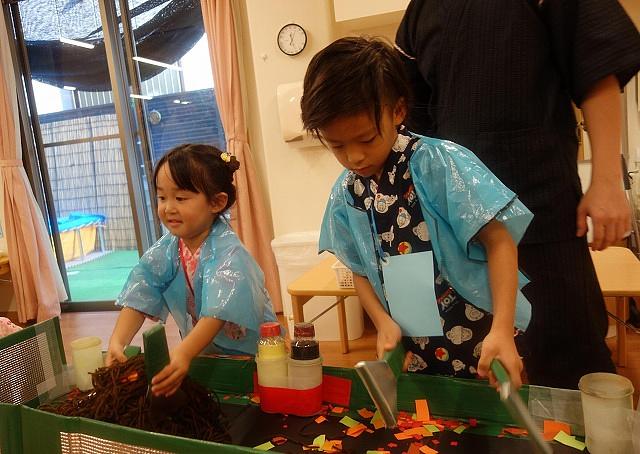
[
  {"x": 149, "y": 279},
  {"x": 233, "y": 290},
  {"x": 336, "y": 234},
  {"x": 467, "y": 194}
]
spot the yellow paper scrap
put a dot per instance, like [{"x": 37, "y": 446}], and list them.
[
  {"x": 569, "y": 440},
  {"x": 432, "y": 428},
  {"x": 459, "y": 429},
  {"x": 377, "y": 421},
  {"x": 264, "y": 446},
  {"x": 319, "y": 441},
  {"x": 349, "y": 422}
]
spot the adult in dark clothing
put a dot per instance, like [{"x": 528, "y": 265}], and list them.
[{"x": 499, "y": 76}]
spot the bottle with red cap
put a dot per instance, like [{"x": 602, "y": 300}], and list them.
[{"x": 272, "y": 358}]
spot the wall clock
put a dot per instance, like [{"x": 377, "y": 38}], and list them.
[{"x": 292, "y": 39}]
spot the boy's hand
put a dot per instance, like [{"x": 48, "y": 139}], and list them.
[
  {"x": 115, "y": 353},
  {"x": 500, "y": 344},
  {"x": 389, "y": 334},
  {"x": 168, "y": 380}
]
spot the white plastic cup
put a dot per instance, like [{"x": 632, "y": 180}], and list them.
[
  {"x": 606, "y": 402},
  {"x": 87, "y": 357}
]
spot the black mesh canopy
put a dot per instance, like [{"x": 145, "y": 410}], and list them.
[{"x": 164, "y": 30}]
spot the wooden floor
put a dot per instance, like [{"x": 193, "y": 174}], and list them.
[{"x": 80, "y": 324}]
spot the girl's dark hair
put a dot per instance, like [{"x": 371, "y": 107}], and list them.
[
  {"x": 350, "y": 76},
  {"x": 201, "y": 168}
]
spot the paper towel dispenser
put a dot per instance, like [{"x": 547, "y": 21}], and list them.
[{"x": 289, "y": 96}]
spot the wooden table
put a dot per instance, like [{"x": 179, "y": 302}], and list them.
[
  {"x": 618, "y": 271},
  {"x": 321, "y": 281}
]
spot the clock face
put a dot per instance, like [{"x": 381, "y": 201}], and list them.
[{"x": 292, "y": 39}]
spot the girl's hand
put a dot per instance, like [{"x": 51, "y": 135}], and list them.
[
  {"x": 500, "y": 344},
  {"x": 168, "y": 380},
  {"x": 115, "y": 353},
  {"x": 389, "y": 334}
]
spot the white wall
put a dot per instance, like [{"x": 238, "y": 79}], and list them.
[{"x": 297, "y": 180}]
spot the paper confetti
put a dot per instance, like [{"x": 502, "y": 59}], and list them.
[
  {"x": 377, "y": 421},
  {"x": 459, "y": 429},
  {"x": 356, "y": 430},
  {"x": 568, "y": 440},
  {"x": 414, "y": 448},
  {"x": 332, "y": 446},
  {"x": 427, "y": 450},
  {"x": 264, "y": 446},
  {"x": 320, "y": 419},
  {"x": 551, "y": 429},
  {"x": 319, "y": 441},
  {"x": 515, "y": 431},
  {"x": 422, "y": 410},
  {"x": 432, "y": 428},
  {"x": 349, "y": 422},
  {"x": 423, "y": 431},
  {"x": 365, "y": 413},
  {"x": 403, "y": 436},
  {"x": 337, "y": 410}
]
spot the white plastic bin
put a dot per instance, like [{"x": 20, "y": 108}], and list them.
[{"x": 295, "y": 254}]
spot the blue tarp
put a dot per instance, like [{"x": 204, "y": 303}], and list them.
[{"x": 78, "y": 220}]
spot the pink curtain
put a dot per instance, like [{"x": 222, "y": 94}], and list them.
[
  {"x": 37, "y": 283},
  {"x": 250, "y": 219}
]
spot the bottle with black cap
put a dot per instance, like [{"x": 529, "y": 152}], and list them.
[{"x": 305, "y": 363}]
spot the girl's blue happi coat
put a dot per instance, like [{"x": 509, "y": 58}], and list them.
[{"x": 228, "y": 285}]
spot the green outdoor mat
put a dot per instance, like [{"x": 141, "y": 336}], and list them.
[{"x": 101, "y": 279}]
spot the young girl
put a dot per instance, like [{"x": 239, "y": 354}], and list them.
[
  {"x": 429, "y": 233},
  {"x": 199, "y": 272}
]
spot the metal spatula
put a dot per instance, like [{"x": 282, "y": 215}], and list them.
[
  {"x": 380, "y": 377},
  {"x": 517, "y": 409}
]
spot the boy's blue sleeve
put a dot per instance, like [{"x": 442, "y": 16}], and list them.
[
  {"x": 149, "y": 279},
  {"x": 336, "y": 235},
  {"x": 467, "y": 194},
  {"x": 233, "y": 290}
]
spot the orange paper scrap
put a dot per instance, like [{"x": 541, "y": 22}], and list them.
[
  {"x": 515, "y": 431},
  {"x": 422, "y": 410},
  {"x": 419, "y": 431},
  {"x": 427, "y": 450},
  {"x": 332, "y": 446},
  {"x": 320, "y": 419},
  {"x": 337, "y": 410},
  {"x": 356, "y": 430},
  {"x": 366, "y": 413},
  {"x": 403, "y": 436},
  {"x": 551, "y": 429}
]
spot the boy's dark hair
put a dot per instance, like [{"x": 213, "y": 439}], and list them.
[
  {"x": 350, "y": 76},
  {"x": 201, "y": 168}
]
